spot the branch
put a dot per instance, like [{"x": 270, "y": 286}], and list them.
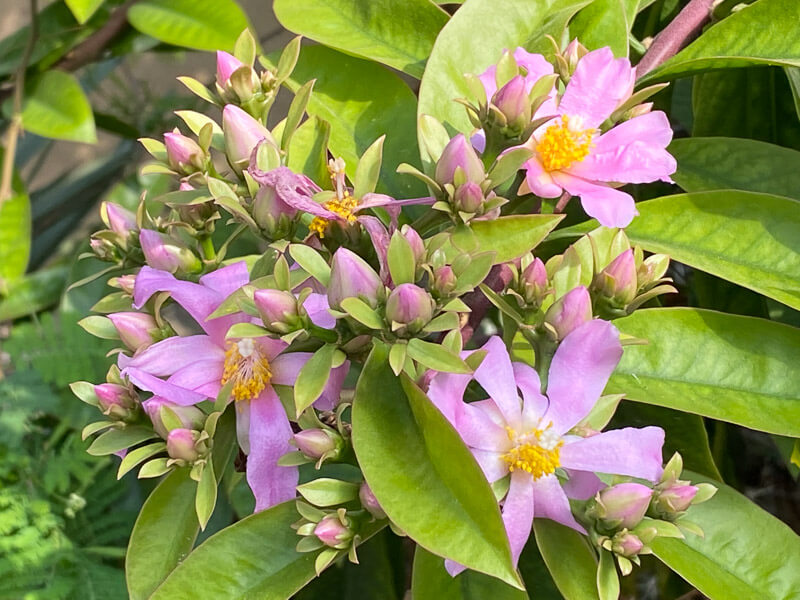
[
  {"x": 498, "y": 278},
  {"x": 676, "y": 35}
]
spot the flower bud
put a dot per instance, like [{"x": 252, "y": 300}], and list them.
[
  {"x": 119, "y": 220},
  {"x": 370, "y": 502},
  {"x": 512, "y": 100},
  {"x": 226, "y": 65},
  {"x": 618, "y": 280},
  {"x": 569, "y": 312},
  {"x": 331, "y": 532},
  {"x": 166, "y": 253},
  {"x": 352, "y": 277},
  {"x": 183, "y": 153},
  {"x": 125, "y": 283},
  {"x": 135, "y": 329},
  {"x": 468, "y": 197},
  {"x": 104, "y": 249},
  {"x": 316, "y": 443},
  {"x": 269, "y": 210},
  {"x": 115, "y": 401},
  {"x": 242, "y": 135},
  {"x": 533, "y": 283},
  {"x": 190, "y": 417},
  {"x": 459, "y": 153},
  {"x": 276, "y": 307},
  {"x": 626, "y": 544},
  {"x": 409, "y": 305},
  {"x": 675, "y": 499},
  {"x": 623, "y": 505},
  {"x": 652, "y": 269},
  {"x": 444, "y": 281},
  {"x": 415, "y": 241},
  {"x": 180, "y": 445}
]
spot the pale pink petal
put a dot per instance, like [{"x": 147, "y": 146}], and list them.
[
  {"x": 228, "y": 279},
  {"x": 518, "y": 510},
  {"x": 286, "y": 367},
  {"x": 598, "y": 86},
  {"x": 446, "y": 391},
  {"x": 479, "y": 430},
  {"x": 333, "y": 389},
  {"x": 202, "y": 376},
  {"x": 611, "y": 207},
  {"x": 534, "y": 403},
  {"x": 582, "y": 485},
  {"x": 492, "y": 464},
  {"x": 552, "y": 502},
  {"x": 535, "y": 64},
  {"x": 174, "y": 353},
  {"x": 540, "y": 181},
  {"x": 496, "y": 376},
  {"x": 317, "y": 307},
  {"x": 453, "y": 568},
  {"x": 175, "y": 394},
  {"x": 243, "y": 425},
  {"x": 630, "y": 451},
  {"x": 270, "y": 347},
  {"x": 270, "y": 433},
  {"x": 380, "y": 240},
  {"x": 478, "y": 141},
  {"x": 580, "y": 370}
]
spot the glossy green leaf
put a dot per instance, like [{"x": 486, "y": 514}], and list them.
[
  {"x": 762, "y": 33},
  {"x": 605, "y": 23},
  {"x": 399, "y": 34},
  {"x": 607, "y": 577},
  {"x": 430, "y": 581},
  {"x": 83, "y": 9},
  {"x": 726, "y": 367},
  {"x": 400, "y": 256},
  {"x": 570, "y": 560},
  {"x": 313, "y": 377},
  {"x": 475, "y": 37},
  {"x": 312, "y": 262},
  {"x": 119, "y": 439},
  {"x": 199, "y": 24},
  {"x": 717, "y": 163},
  {"x": 163, "y": 535},
  {"x": 252, "y": 559},
  {"x": 423, "y": 475},
  {"x": 436, "y": 357},
  {"x": 745, "y": 553},
  {"x": 514, "y": 235},
  {"x": 56, "y": 107},
  {"x": 745, "y": 237},
  {"x": 308, "y": 151},
  {"x": 15, "y": 232}
]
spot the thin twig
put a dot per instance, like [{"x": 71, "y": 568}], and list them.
[
  {"x": 676, "y": 35},
  {"x": 14, "y": 129}
]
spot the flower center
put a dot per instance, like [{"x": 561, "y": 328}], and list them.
[
  {"x": 563, "y": 144},
  {"x": 535, "y": 452},
  {"x": 343, "y": 205},
  {"x": 247, "y": 368}
]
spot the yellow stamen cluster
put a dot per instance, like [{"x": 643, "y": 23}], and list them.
[
  {"x": 318, "y": 226},
  {"x": 532, "y": 453},
  {"x": 343, "y": 207},
  {"x": 247, "y": 368},
  {"x": 562, "y": 146}
]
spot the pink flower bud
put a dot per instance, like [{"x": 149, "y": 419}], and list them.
[
  {"x": 135, "y": 329},
  {"x": 415, "y": 241},
  {"x": 409, "y": 305},
  {"x": 469, "y": 197},
  {"x": 119, "y": 220},
  {"x": 180, "y": 445},
  {"x": 444, "y": 281},
  {"x": 627, "y": 545},
  {"x": 190, "y": 417},
  {"x": 103, "y": 249},
  {"x": 512, "y": 100},
  {"x": 125, "y": 283},
  {"x": 370, "y": 502},
  {"x": 268, "y": 208},
  {"x": 618, "y": 280},
  {"x": 115, "y": 401},
  {"x": 331, "y": 532},
  {"x": 183, "y": 153},
  {"x": 570, "y": 311},
  {"x": 166, "y": 253},
  {"x": 533, "y": 282},
  {"x": 623, "y": 505},
  {"x": 185, "y": 186},
  {"x": 352, "y": 277},
  {"x": 275, "y": 306},
  {"x": 226, "y": 65},
  {"x": 459, "y": 153},
  {"x": 242, "y": 135},
  {"x": 676, "y": 498},
  {"x": 315, "y": 443},
  {"x": 652, "y": 269}
]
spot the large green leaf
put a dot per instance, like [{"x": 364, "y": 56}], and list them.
[
  {"x": 727, "y": 367},
  {"x": 764, "y": 32},
  {"x": 745, "y": 237},
  {"x": 570, "y": 560},
  {"x": 199, "y": 24},
  {"x": 56, "y": 107},
  {"x": 746, "y": 553},
  {"x": 399, "y": 34},
  {"x": 718, "y": 163},
  {"x": 605, "y": 23},
  {"x": 475, "y": 37},
  {"x": 15, "y": 232},
  {"x": 423, "y": 475},
  {"x": 430, "y": 581},
  {"x": 514, "y": 235},
  {"x": 164, "y": 534},
  {"x": 362, "y": 101},
  {"x": 252, "y": 559}
]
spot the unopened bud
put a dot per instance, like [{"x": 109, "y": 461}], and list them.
[
  {"x": 652, "y": 269},
  {"x": 570, "y": 311},
  {"x": 276, "y": 308},
  {"x": 623, "y": 505},
  {"x": 352, "y": 277},
  {"x": 675, "y": 499},
  {"x": 180, "y": 445},
  {"x": 626, "y": 544},
  {"x": 444, "y": 281},
  {"x": 135, "y": 329},
  {"x": 166, "y": 253},
  {"x": 226, "y": 65},
  {"x": 104, "y": 249},
  {"x": 459, "y": 153},
  {"x": 115, "y": 401},
  {"x": 332, "y": 532},
  {"x": 190, "y": 417},
  {"x": 409, "y": 305},
  {"x": 242, "y": 135},
  {"x": 468, "y": 197},
  {"x": 533, "y": 283},
  {"x": 270, "y": 211},
  {"x": 118, "y": 219},
  {"x": 370, "y": 502},
  {"x": 183, "y": 153},
  {"x": 618, "y": 281},
  {"x": 125, "y": 283},
  {"x": 512, "y": 100},
  {"x": 316, "y": 443},
  {"x": 415, "y": 241}
]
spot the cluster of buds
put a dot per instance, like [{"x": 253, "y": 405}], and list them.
[
  {"x": 322, "y": 438},
  {"x": 672, "y": 496},
  {"x": 117, "y": 399}
]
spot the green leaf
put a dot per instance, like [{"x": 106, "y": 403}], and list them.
[
  {"x": 400, "y": 256},
  {"x": 430, "y": 581},
  {"x": 497, "y": 24},
  {"x": 206, "y": 495},
  {"x": 312, "y": 262},
  {"x": 514, "y": 235},
  {"x": 399, "y": 34},
  {"x": 722, "y": 366},
  {"x": 717, "y": 163},
  {"x": 313, "y": 377},
  {"x": 296, "y": 111},
  {"x": 34, "y": 292},
  {"x": 83, "y": 9},
  {"x": 245, "y": 330},
  {"x": 254, "y": 558},
  {"x": 761, "y": 33},
  {"x": 570, "y": 560},
  {"x": 119, "y": 439},
  {"x": 56, "y": 107},
  {"x": 605, "y": 23},
  {"x": 137, "y": 456},
  {"x": 199, "y": 24},
  {"x": 744, "y": 237},
  {"x": 308, "y": 151},
  {"x": 369, "y": 169},
  {"x": 745, "y": 553},
  {"x": 362, "y": 312},
  {"x": 328, "y": 492},
  {"x": 423, "y": 475},
  {"x": 607, "y": 578},
  {"x": 163, "y": 535},
  {"x": 436, "y": 357},
  {"x": 15, "y": 232}
]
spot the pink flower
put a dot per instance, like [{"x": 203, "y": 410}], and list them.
[
  {"x": 196, "y": 367},
  {"x": 529, "y": 438},
  {"x": 571, "y": 154}
]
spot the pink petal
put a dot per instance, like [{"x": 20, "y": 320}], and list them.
[
  {"x": 270, "y": 433},
  {"x": 598, "y": 86},
  {"x": 552, "y": 502},
  {"x": 453, "y": 568},
  {"x": 286, "y": 367},
  {"x": 492, "y": 464},
  {"x": 534, "y": 404},
  {"x": 203, "y": 376},
  {"x": 630, "y": 451},
  {"x": 518, "y": 512},
  {"x": 446, "y": 391},
  {"x": 173, "y": 393},
  {"x": 496, "y": 376},
  {"x": 333, "y": 389},
  {"x": 270, "y": 347},
  {"x": 580, "y": 370},
  {"x": 611, "y": 207},
  {"x": 582, "y": 485},
  {"x": 317, "y": 307},
  {"x": 174, "y": 353},
  {"x": 243, "y": 425},
  {"x": 380, "y": 240},
  {"x": 228, "y": 279},
  {"x": 540, "y": 181}
]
